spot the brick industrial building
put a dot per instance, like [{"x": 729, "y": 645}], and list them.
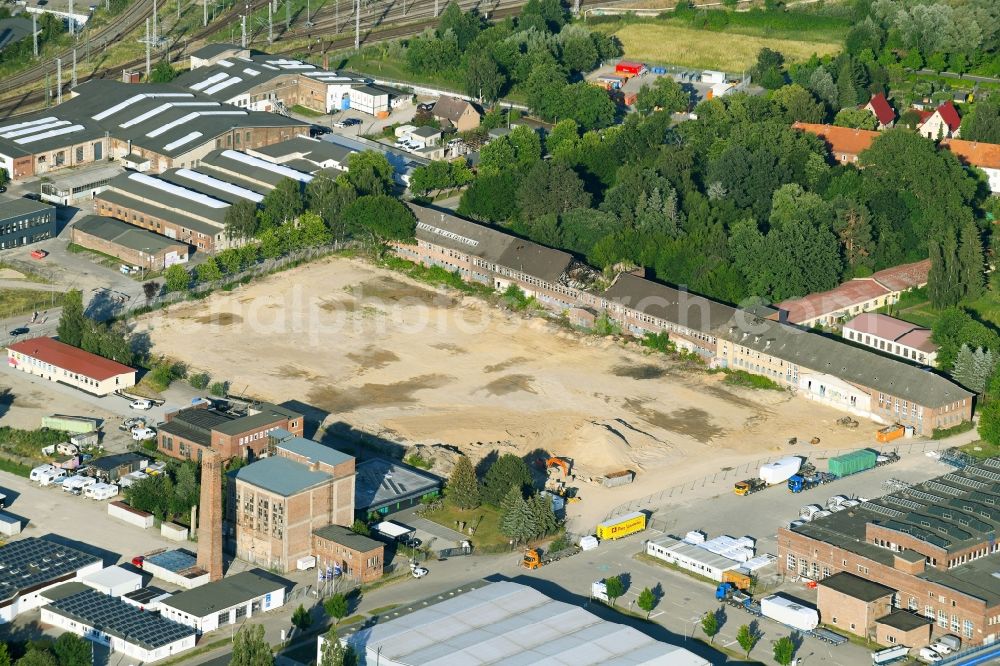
[
  {"x": 188, "y": 432},
  {"x": 134, "y": 246},
  {"x": 357, "y": 556},
  {"x": 760, "y": 341},
  {"x": 279, "y": 501},
  {"x": 932, "y": 546}
]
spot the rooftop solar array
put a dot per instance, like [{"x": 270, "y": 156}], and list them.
[
  {"x": 32, "y": 562},
  {"x": 120, "y": 619}
]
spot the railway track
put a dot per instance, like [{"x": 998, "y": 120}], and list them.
[{"x": 379, "y": 22}]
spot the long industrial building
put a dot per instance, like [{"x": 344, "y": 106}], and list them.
[
  {"x": 153, "y": 127},
  {"x": 932, "y": 544},
  {"x": 757, "y": 341}
]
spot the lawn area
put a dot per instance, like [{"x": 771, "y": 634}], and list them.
[
  {"x": 731, "y": 49},
  {"x": 306, "y": 111},
  {"x": 485, "y": 520},
  {"x": 24, "y": 301},
  {"x": 919, "y": 311},
  {"x": 375, "y": 62}
]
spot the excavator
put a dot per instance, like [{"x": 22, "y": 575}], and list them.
[{"x": 557, "y": 486}]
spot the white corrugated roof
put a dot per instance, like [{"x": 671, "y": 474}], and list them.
[{"x": 507, "y": 624}]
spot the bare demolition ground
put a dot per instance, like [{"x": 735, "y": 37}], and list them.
[{"x": 392, "y": 357}]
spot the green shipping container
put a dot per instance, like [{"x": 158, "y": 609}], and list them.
[{"x": 852, "y": 463}]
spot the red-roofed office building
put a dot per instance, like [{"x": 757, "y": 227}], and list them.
[
  {"x": 879, "y": 107},
  {"x": 59, "y": 362}
]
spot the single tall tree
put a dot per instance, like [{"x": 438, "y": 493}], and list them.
[
  {"x": 710, "y": 625},
  {"x": 647, "y": 601},
  {"x": 301, "y": 618},
  {"x": 747, "y": 638},
  {"x": 250, "y": 648},
  {"x": 784, "y": 650},
  {"x": 463, "y": 488},
  {"x": 517, "y": 521},
  {"x": 614, "y": 587},
  {"x": 72, "y": 650},
  {"x": 336, "y": 607},
  {"x": 280, "y": 205},
  {"x": 333, "y": 652},
  {"x": 241, "y": 220},
  {"x": 72, "y": 322},
  {"x": 545, "y": 520},
  {"x": 970, "y": 261}
]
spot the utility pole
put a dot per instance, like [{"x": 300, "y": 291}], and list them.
[
  {"x": 357, "y": 25},
  {"x": 74, "y": 70},
  {"x": 270, "y": 23},
  {"x": 288, "y": 14},
  {"x": 178, "y": 11},
  {"x": 576, "y": 7},
  {"x": 243, "y": 33},
  {"x": 309, "y": 22},
  {"x": 148, "y": 45},
  {"x": 336, "y": 17},
  {"x": 204, "y": 18},
  {"x": 58, "y": 81},
  {"x": 435, "y": 8},
  {"x": 34, "y": 34},
  {"x": 48, "y": 89},
  {"x": 72, "y": 21}
]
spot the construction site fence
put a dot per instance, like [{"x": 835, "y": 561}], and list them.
[{"x": 731, "y": 475}]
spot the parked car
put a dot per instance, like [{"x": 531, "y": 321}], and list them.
[
  {"x": 425, "y": 106},
  {"x": 351, "y": 122},
  {"x": 141, "y": 404},
  {"x": 929, "y": 656},
  {"x": 20, "y": 330},
  {"x": 142, "y": 434},
  {"x": 420, "y": 572},
  {"x": 413, "y": 542},
  {"x": 34, "y": 196},
  {"x": 39, "y": 254}
]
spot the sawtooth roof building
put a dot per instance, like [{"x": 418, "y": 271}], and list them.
[
  {"x": 152, "y": 127},
  {"x": 264, "y": 82},
  {"x": 933, "y": 543}
]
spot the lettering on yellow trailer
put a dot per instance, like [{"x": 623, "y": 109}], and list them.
[{"x": 622, "y": 526}]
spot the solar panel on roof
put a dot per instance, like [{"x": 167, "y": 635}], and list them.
[
  {"x": 904, "y": 502},
  {"x": 51, "y": 133},
  {"x": 965, "y": 481},
  {"x": 922, "y": 495},
  {"x": 211, "y": 181},
  {"x": 116, "y": 617},
  {"x": 985, "y": 473},
  {"x": 944, "y": 488},
  {"x": 178, "y": 191},
  {"x": 992, "y": 462}
]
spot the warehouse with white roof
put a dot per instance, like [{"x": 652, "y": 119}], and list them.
[{"x": 507, "y": 624}]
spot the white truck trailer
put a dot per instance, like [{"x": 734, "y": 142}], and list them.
[{"x": 789, "y": 612}]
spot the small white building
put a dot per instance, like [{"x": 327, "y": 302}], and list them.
[
  {"x": 228, "y": 601},
  {"x": 127, "y": 630},
  {"x": 113, "y": 581},
  {"x": 59, "y": 362},
  {"x": 691, "y": 557},
  {"x": 30, "y": 567}
]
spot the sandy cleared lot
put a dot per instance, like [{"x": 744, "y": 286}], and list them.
[{"x": 391, "y": 357}]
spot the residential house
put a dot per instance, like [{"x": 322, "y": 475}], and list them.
[
  {"x": 845, "y": 143},
  {"x": 942, "y": 123},
  {"x": 458, "y": 113},
  {"x": 983, "y": 156},
  {"x": 879, "y": 107}
]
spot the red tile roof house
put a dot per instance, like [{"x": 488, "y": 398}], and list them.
[
  {"x": 943, "y": 123},
  {"x": 59, "y": 362},
  {"x": 893, "y": 336},
  {"x": 859, "y": 295},
  {"x": 879, "y": 107}
]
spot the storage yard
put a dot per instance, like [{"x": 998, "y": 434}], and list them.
[{"x": 485, "y": 379}]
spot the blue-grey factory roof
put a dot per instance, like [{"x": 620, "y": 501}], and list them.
[
  {"x": 281, "y": 475},
  {"x": 313, "y": 450},
  {"x": 33, "y": 562},
  {"x": 117, "y": 618}
]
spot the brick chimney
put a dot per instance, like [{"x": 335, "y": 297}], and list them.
[{"x": 210, "y": 520}]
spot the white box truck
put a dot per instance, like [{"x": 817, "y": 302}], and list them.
[
  {"x": 789, "y": 612},
  {"x": 890, "y": 655}
]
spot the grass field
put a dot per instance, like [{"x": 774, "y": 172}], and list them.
[
  {"x": 725, "y": 50},
  {"x": 23, "y": 301},
  {"x": 485, "y": 519}
]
